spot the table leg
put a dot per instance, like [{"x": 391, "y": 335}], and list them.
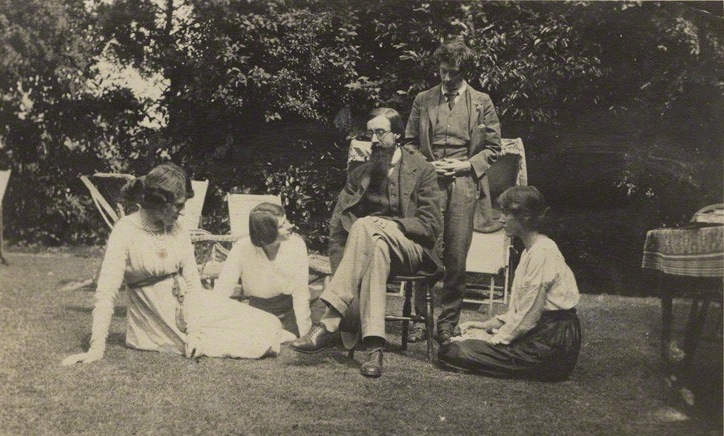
[
  {"x": 666, "y": 318},
  {"x": 697, "y": 318}
]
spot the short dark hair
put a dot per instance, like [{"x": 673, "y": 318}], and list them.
[
  {"x": 526, "y": 203},
  {"x": 455, "y": 52},
  {"x": 396, "y": 124},
  {"x": 264, "y": 223}
]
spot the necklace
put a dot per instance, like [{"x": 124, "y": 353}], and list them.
[{"x": 158, "y": 237}]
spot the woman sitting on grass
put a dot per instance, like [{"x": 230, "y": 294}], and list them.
[
  {"x": 273, "y": 267},
  {"x": 168, "y": 309},
  {"x": 540, "y": 335}
]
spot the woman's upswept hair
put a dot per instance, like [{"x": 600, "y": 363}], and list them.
[
  {"x": 455, "y": 52},
  {"x": 164, "y": 184},
  {"x": 264, "y": 223},
  {"x": 396, "y": 124},
  {"x": 526, "y": 203}
]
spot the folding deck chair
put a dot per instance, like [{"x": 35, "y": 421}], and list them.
[
  {"x": 105, "y": 190},
  {"x": 240, "y": 206},
  {"x": 488, "y": 261}
]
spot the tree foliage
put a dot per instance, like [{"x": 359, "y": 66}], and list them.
[{"x": 234, "y": 69}]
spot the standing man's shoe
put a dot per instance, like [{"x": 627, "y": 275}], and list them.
[
  {"x": 418, "y": 333},
  {"x": 317, "y": 339},
  {"x": 443, "y": 336},
  {"x": 372, "y": 367}
]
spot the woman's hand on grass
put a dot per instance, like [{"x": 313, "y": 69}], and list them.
[{"x": 89, "y": 357}]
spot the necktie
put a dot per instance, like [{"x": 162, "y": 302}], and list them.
[{"x": 450, "y": 96}]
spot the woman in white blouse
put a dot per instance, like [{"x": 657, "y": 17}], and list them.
[
  {"x": 273, "y": 267},
  {"x": 168, "y": 309},
  {"x": 539, "y": 336}
]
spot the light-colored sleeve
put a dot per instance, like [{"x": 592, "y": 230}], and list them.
[
  {"x": 300, "y": 286},
  {"x": 189, "y": 268},
  {"x": 231, "y": 271},
  {"x": 526, "y": 310},
  {"x": 110, "y": 281}
]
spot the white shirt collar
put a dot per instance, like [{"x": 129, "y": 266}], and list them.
[
  {"x": 460, "y": 91},
  {"x": 396, "y": 156}
]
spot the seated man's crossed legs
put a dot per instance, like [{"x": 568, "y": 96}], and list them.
[{"x": 375, "y": 245}]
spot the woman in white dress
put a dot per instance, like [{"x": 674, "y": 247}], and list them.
[
  {"x": 274, "y": 270},
  {"x": 168, "y": 309}
]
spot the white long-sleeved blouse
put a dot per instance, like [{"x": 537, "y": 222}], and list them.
[
  {"x": 260, "y": 277},
  {"x": 543, "y": 281}
]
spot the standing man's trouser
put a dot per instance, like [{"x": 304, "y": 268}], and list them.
[
  {"x": 373, "y": 247},
  {"x": 458, "y": 199}
]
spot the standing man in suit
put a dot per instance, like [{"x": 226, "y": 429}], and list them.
[
  {"x": 457, "y": 129},
  {"x": 386, "y": 219}
]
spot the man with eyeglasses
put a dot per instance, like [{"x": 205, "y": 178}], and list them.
[
  {"x": 457, "y": 129},
  {"x": 386, "y": 219}
]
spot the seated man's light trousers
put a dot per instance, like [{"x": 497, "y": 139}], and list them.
[{"x": 373, "y": 245}]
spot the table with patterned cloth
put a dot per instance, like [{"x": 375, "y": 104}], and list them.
[{"x": 694, "y": 253}]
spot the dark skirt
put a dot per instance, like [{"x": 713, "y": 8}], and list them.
[
  {"x": 281, "y": 306},
  {"x": 548, "y": 352}
]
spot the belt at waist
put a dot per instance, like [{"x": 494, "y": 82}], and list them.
[
  {"x": 559, "y": 314},
  {"x": 152, "y": 280},
  {"x": 272, "y": 304}
]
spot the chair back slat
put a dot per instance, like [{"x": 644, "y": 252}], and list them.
[{"x": 110, "y": 216}]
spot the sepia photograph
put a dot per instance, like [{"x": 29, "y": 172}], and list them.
[{"x": 235, "y": 217}]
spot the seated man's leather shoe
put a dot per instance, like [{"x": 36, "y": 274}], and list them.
[
  {"x": 418, "y": 333},
  {"x": 372, "y": 367},
  {"x": 317, "y": 339}
]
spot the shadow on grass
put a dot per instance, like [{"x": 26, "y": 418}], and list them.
[
  {"x": 113, "y": 339},
  {"x": 339, "y": 355},
  {"x": 119, "y": 311}
]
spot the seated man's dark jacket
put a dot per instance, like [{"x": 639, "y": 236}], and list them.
[{"x": 420, "y": 215}]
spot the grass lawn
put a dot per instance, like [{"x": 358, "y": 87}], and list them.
[{"x": 617, "y": 387}]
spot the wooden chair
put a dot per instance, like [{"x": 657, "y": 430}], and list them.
[
  {"x": 359, "y": 152},
  {"x": 4, "y": 178},
  {"x": 351, "y": 334},
  {"x": 489, "y": 255}
]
